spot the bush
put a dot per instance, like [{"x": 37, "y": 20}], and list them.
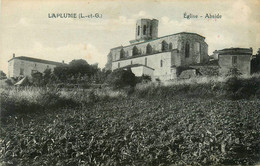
[
  {"x": 120, "y": 78},
  {"x": 242, "y": 88}
]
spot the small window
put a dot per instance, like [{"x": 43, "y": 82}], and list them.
[
  {"x": 145, "y": 61},
  {"x": 131, "y": 62},
  {"x": 138, "y": 30},
  {"x": 35, "y": 64},
  {"x": 170, "y": 46},
  {"x": 161, "y": 63},
  {"x": 144, "y": 30},
  {"x": 151, "y": 30},
  {"x": 21, "y": 71},
  {"x": 187, "y": 50},
  {"x": 234, "y": 60},
  {"x": 118, "y": 65},
  {"x": 47, "y": 66}
]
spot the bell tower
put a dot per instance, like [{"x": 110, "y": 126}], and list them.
[{"x": 146, "y": 29}]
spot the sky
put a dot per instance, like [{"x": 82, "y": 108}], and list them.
[{"x": 27, "y": 30}]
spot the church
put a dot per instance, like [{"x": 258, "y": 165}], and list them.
[{"x": 159, "y": 57}]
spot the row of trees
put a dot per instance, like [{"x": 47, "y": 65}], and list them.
[{"x": 76, "y": 72}]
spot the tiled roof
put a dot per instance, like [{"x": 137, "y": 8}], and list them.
[
  {"x": 235, "y": 51},
  {"x": 137, "y": 65},
  {"x": 36, "y": 60}
]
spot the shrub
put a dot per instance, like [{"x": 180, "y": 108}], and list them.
[
  {"x": 121, "y": 78},
  {"x": 242, "y": 88}
]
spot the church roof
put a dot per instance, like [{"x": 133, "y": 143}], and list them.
[
  {"x": 190, "y": 33},
  {"x": 36, "y": 60}
]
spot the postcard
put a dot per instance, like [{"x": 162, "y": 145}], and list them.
[{"x": 130, "y": 82}]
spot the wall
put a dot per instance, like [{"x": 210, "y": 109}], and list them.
[
  {"x": 153, "y": 61},
  {"x": 243, "y": 63},
  {"x": 142, "y": 70},
  {"x": 16, "y": 64}
]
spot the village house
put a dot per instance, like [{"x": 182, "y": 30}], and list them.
[
  {"x": 159, "y": 57},
  {"x": 25, "y": 66},
  {"x": 239, "y": 58}
]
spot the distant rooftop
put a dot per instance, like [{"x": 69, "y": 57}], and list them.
[
  {"x": 136, "y": 65},
  {"x": 237, "y": 50},
  {"x": 36, "y": 60}
]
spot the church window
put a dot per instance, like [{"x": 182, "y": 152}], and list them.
[
  {"x": 164, "y": 46},
  {"x": 138, "y": 30},
  {"x": 122, "y": 53},
  {"x": 170, "y": 46},
  {"x": 187, "y": 50},
  {"x": 21, "y": 71},
  {"x": 135, "y": 51},
  {"x": 144, "y": 30},
  {"x": 234, "y": 60},
  {"x": 149, "y": 49},
  {"x": 197, "y": 47}
]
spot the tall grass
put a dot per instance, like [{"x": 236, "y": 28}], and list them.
[{"x": 35, "y": 99}]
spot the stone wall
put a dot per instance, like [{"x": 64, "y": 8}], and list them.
[
  {"x": 243, "y": 63},
  {"x": 176, "y": 41},
  {"x": 16, "y": 65},
  {"x": 160, "y": 62}
]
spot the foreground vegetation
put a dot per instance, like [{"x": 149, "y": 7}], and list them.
[{"x": 197, "y": 122}]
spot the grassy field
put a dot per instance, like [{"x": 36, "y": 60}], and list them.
[{"x": 195, "y": 122}]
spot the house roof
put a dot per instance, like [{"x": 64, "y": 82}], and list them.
[
  {"x": 136, "y": 65},
  {"x": 36, "y": 60},
  {"x": 235, "y": 51},
  {"x": 190, "y": 33}
]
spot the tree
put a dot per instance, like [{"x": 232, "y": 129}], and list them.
[
  {"x": 2, "y": 75},
  {"x": 121, "y": 78}
]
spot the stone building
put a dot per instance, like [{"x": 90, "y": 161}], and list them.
[
  {"x": 24, "y": 66},
  {"x": 160, "y": 55},
  {"x": 239, "y": 58}
]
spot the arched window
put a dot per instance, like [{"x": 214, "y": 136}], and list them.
[
  {"x": 144, "y": 30},
  {"x": 122, "y": 53},
  {"x": 145, "y": 61},
  {"x": 149, "y": 49},
  {"x": 164, "y": 46},
  {"x": 138, "y": 30},
  {"x": 170, "y": 46},
  {"x": 135, "y": 51},
  {"x": 187, "y": 50}
]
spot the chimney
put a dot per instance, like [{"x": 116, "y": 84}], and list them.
[{"x": 13, "y": 55}]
